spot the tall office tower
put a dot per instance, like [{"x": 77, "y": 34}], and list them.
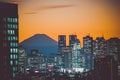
[
  {"x": 88, "y": 44},
  {"x": 66, "y": 53},
  {"x": 61, "y": 41},
  {"x": 76, "y": 59},
  {"x": 88, "y": 50},
  {"x": 72, "y": 39},
  {"x": 105, "y": 68},
  {"x": 8, "y": 40},
  {"x": 113, "y": 48},
  {"x": 100, "y": 46}
]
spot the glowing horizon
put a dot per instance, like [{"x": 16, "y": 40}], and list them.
[{"x": 66, "y": 17}]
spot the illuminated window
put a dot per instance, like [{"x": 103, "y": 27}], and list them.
[
  {"x": 11, "y": 50},
  {"x": 13, "y": 26},
  {"x": 11, "y": 62},
  {"x": 9, "y": 26},
  {"x": 15, "y": 20},
  {"x": 9, "y": 19},
  {"x": 16, "y": 26},
  {"x": 16, "y": 38},
  {"x": 16, "y": 50},
  {"x": 14, "y": 69},
  {"x": 14, "y": 75},
  {"x": 16, "y": 56},
  {"x": 16, "y": 62},
  {"x": 16, "y": 45},
  {"x": 11, "y": 57}
]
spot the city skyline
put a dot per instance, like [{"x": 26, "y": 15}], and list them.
[
  {"x": 41, "y": 57},
  {"x": 56, "y": 17}
]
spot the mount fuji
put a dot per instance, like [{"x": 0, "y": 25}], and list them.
[{"x": 41, "y": 42}]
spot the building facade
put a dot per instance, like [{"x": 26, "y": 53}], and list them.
[
  {"x": 105, "y": 68},
  {"x": 61, "y": 41},
  {"x": 66, "y": 56},
  {"x": 72, "y": 40},
  {"x": 22, "y": 65},
  {"x": 36, "y": 60},
  {"x": 8, "y": 41},
  {"x": 100, "y": 46},
  {"x": 88, "y": 51},
  {"x": 113, "y": 48}
]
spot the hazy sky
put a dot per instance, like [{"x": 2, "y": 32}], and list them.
[{"x": 55, "y": 17}]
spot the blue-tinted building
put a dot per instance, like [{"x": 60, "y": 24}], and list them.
[{"x": 88, "y": 50}]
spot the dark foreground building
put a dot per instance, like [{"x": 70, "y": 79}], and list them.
[
  {"x": 105, "y": 68},
  {"x": 8, "y": 41}
]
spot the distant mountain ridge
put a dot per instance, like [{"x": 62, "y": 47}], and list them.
[{"x": 42, "y": 42}]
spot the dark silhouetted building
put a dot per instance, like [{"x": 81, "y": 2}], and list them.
[
  {"x": 8, "y": 41},
  {"x": 113, "y": 48},
  {"x": 105, "y": 68},
  {"x": 72, "y": 39}
]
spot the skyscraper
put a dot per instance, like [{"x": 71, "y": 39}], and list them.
[
  {"x": 88, "y": 50},
  {"x": 76, "y": 56},
  {"x": 8, "y": 40},
  {"x": 72, "y": 39},
  {"x": 66, "y": 54},
  {"x": 100, "y": 46},
  {"x": 61, "y": 41},
  {"x": 88, "y": 44},
  {"x": 113, "y": 48}
]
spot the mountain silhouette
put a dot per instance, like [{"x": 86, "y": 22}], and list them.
[{"x": 41, "y": 42}]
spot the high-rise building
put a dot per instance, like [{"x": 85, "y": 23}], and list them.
[
  {"x": 8, "y": 40},
  {"x": 100, "y": 46},
  {"x": 113, "y": 48},
  {"x": 88, "y": 44},
  {"x": 36, "y": 60},
  {"x": 76, "y": 59},
  {"x": 88, "y": 50},
  {"x": 61, "y": 41},
  {"x": 72, "y": 39},
  {"x": 105, "y": 68},
  {"x": 22, "y": 65},
  {"x": 66, "y": 55}
]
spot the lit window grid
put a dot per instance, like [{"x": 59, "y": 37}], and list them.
[
  {"x": 12, "y": 26},
  {"x": 12, "y": 20},
  {"x": 12, "y": 38},
  {"x": 13, "y": 50}
]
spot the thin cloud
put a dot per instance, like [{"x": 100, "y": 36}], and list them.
[
  {"x": 56, "y": 6},
  {"x": 30, "y": 13},
  {"x": 49, "y": 7}
]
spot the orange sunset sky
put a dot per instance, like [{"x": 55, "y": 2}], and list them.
[{"x": 56, "y": 17}]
